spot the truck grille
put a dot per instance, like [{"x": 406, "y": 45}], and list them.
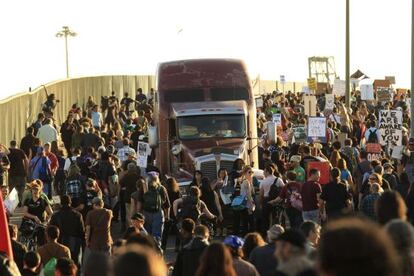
[
  {"x": 209, "y": 169},
  {"x": 228, "y": 165}
]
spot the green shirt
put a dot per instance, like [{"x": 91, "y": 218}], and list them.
[{"x": 300, "y": 174}]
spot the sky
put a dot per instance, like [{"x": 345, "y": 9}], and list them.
[{"x": 273, "y": 37}]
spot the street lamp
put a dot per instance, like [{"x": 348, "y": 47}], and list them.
[{"x": 65, "y": 32}]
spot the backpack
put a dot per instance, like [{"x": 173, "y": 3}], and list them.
[
  {"x": 372, "y": 137},
  {"x": 74, "y": 188},
  {"x": 44, "y": 172},
  {"x": 274, "y": 190},
  {"x": 152, "y": 200},
  {"x": 350, "y": 153},
  {"x": 191, "y": 208}
]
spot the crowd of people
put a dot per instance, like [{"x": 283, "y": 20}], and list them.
[{"x": 77, "y": 180}]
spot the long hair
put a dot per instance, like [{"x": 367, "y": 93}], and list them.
[
  {"x": 172, "y": 185},
  {"x": 251, "y": 241},
  {"x": 216, "y": 261},
  {"x": 390, "y": 206}
]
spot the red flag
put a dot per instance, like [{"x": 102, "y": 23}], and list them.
[{"x": 5, "y": 244}]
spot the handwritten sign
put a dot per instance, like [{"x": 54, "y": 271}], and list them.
[
  {"x": 312, "y": 84},
  {"x": 397, "y": 152},
  {"x": 317, "y": 129},
  {"x": 390, "y": 126},
  {"x": 329, "y": 102},
  {"x": 259, "y": 102},
  {"x": 384, "y": 94},
  {"x": 277, "y": 118},
  {"x": 143, "y": 151},
  {"x": 367, "y": 92},
  {"x": 373, "y": 151},
  {"x": 339, "y": 87},
  {"x": 299, "y": 134}
]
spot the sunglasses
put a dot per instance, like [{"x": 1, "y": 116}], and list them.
[{"x": 251, "y": 172}]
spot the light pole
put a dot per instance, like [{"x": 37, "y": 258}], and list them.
[
  {"x": 65, "y": 32},
  {"x": 347, "y": 87}
]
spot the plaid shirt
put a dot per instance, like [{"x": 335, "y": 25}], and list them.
[
  {"x": 368, "y": 205},
  {"x": 123, "y": 153}
]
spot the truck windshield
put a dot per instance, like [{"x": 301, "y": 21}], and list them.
[{"x": 209, "y": 126}]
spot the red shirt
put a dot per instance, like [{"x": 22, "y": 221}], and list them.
[
  {"x": 309, "y": 193},
  {"x": 54, "y": 163}
]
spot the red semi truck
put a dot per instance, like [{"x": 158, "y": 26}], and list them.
[{"x": 205, "y": 117}]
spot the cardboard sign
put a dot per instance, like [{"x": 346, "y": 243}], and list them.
[
  {"x": 367, "y": 92},
  {"x": 342, "y": 137},
  {"x": 390, "y": 126},
  {"x": 329, "y": 102},
  {"x": 299, "y": 134},
  {"x": 310, "y": 105},
  {"x": 373, "y": 151},
  {"x": 339, "y": 87},
  {"x": 143, "y": 151},
  {"x": 277, "y": 118},
  {"x": 384, "y": 94},
  {"x": 391, "y": 79},
  {"x": 312, "y": 84},
  {"x": 323, "y": 167},
  {"x": 317, "y": 129},
  {"x": 397, "y": 152}
]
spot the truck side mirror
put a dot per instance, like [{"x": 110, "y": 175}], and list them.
[
  {"x": 152, "y": 136},
  {"x": 272, "y": 131}
]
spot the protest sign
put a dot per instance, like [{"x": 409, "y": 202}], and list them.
[
  {"x": 339, "y": 87},
  {"x": 259, "y": 102},
  {"x": 306, "y": 90},
  {"x": 312, "y": 83},
  {"x": 310, "y": 105},
  {"x": 329, "y": 102},
  {"x": 397, "y": 152},
  {"x": 373, "y": 151},
  {"x": 282, "y": 79},
  {"x": 391, "y": 79},
  {"x": 317, "y": 129},
  {"x": 143, "y": 151},
  {"x": 342, "y": 137},
  {"x": 390, "y": 126},
  {"x": 299, "y": 134},
  {"x": 367, "y": 92},
  {"x": 12, "y": 201},
  {"x": 277, "y": 118},
  {"x": 384, "y": 94}
]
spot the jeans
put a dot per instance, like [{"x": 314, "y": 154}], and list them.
[
  {"x": 154, "y": 224},
  {"x": 74, "y": 244},
  {"x": 170, "y": 228},
  {"x": 295, "y": 217},
  {"x": 312, "y": 216}
]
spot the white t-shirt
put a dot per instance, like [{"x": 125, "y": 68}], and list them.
[{"x": 267, "y": 183}]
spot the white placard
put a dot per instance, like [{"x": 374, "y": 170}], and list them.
[
  {"x": 329, "y": 102},
  {"x": 339, "y": 87},
  {"x": 397, "y": 152},
  {"x": 277, "y": 118},
  {"x": 12, "y": 201},
  {"x": 282, "y": 79},
  {"x": 142, "y": 154},
  {"x": 317, "y": 128},
  {"x": 390, "y": 126},
  {"x": 259, "y": 102},
  {"x": 367, "y": 92},
  {"x": 306, "y": 90}
]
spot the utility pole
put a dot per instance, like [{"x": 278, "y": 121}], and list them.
[
  {"x": 412, "y": 70},
  {"x": 65, "y": 32},
  {"x": 347, "y": 86}
]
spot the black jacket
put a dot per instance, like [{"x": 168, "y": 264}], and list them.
[
  {"x": 70, "y": 223},
  {"x": 188, "y": 259}
]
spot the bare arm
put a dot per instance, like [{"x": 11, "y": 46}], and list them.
[
  {"x": 206, "y": 211},
  {"x": 28, "y": 215},
  {"x": 218, "y": 205}
]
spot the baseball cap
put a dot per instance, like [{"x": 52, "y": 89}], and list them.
[
  {"x": 293, "y": 237},
  {"x": 138, "y": 216},
  {"x": 388, "y": 165},
  {"x": 295, "y": 158},
  {"x": 234, "y": 241}
]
